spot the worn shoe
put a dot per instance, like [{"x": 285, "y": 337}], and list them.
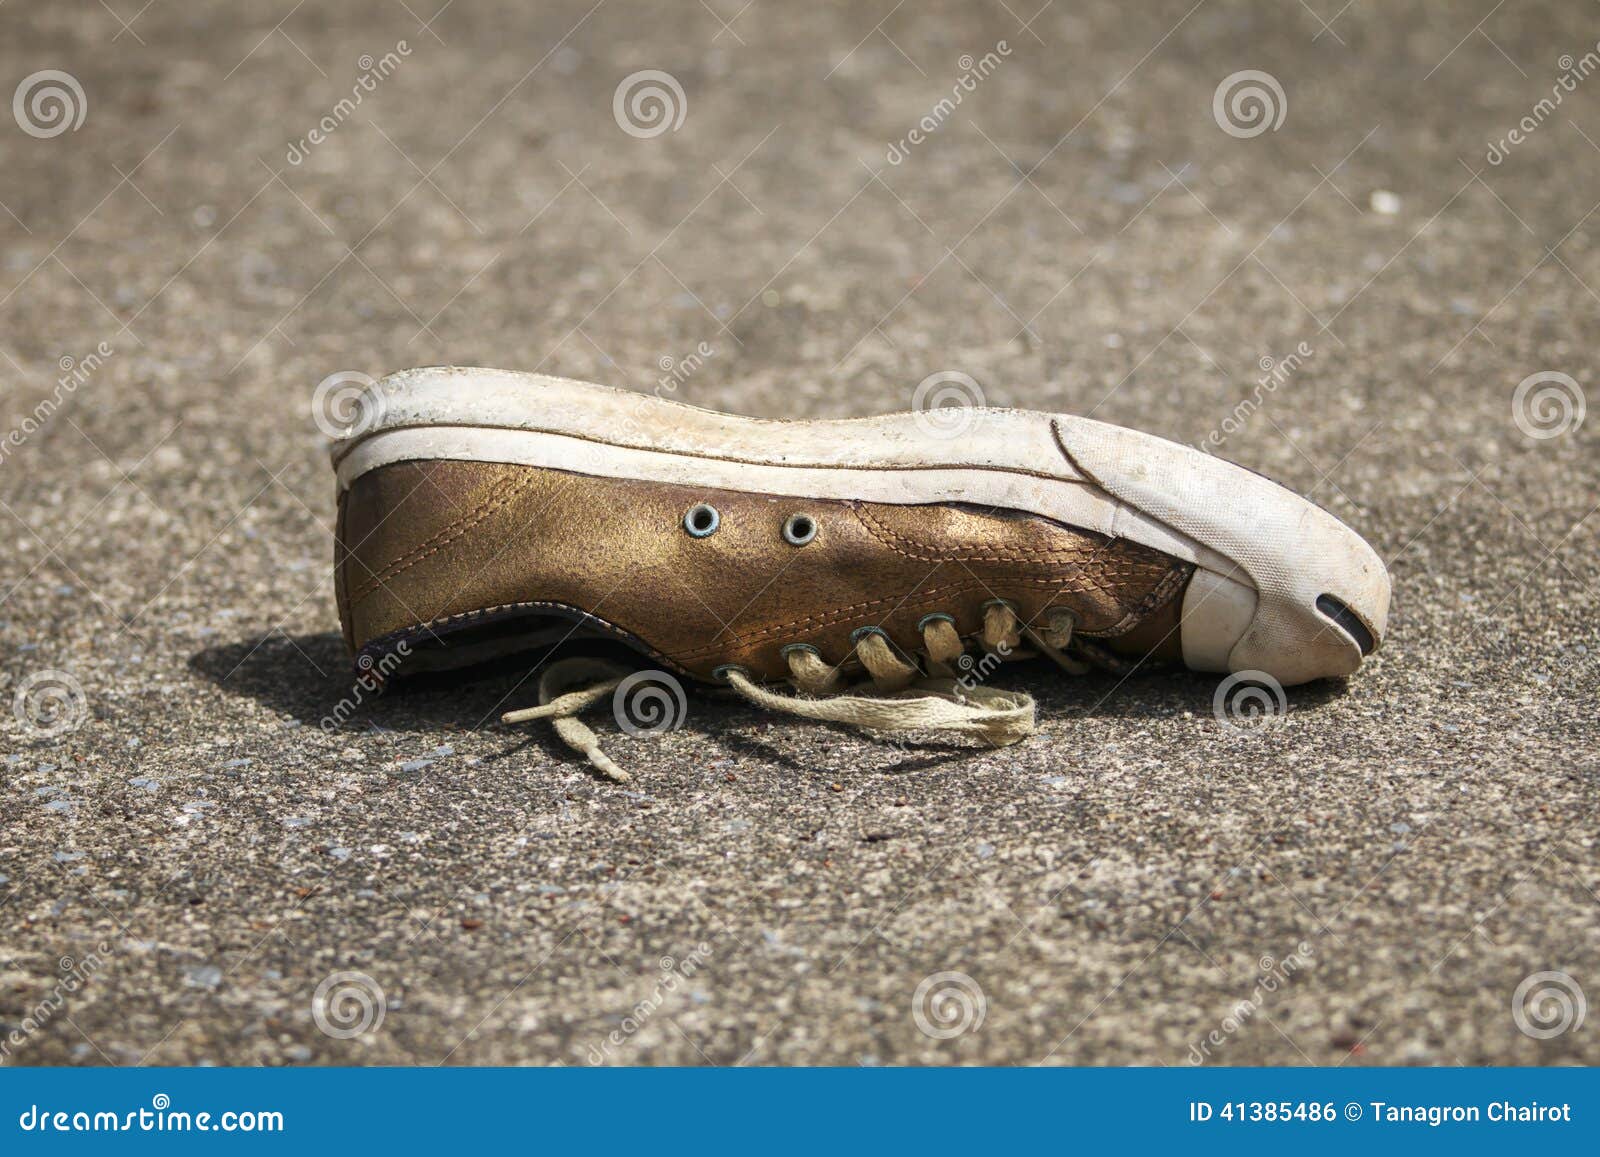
[{"x": 483, "y": 512}]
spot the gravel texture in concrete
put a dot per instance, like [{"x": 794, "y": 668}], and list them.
[{"x": 1331, "y": 243}]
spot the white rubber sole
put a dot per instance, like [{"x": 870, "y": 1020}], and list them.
[{"x": 1264, "y": 556}]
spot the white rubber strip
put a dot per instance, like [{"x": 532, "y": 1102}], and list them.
[{"x": 1010, "y": 440}]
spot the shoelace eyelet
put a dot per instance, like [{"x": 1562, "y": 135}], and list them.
[
  {"x": 702, "y": 520},
  {"x": 799, "y": 529}
]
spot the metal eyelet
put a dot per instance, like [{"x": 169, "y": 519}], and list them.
[
  {"x": 720, "y": 673},
  {"x": 789, "y": 648},
  {"x": 799, "y": 529},
  {"x": 702, "y": 520},
  {"x": 937, "y": 616}
]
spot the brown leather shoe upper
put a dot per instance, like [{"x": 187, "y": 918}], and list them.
[{"x": 428, "y": 550}]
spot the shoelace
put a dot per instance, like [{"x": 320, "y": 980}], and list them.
[{"x": 905, "y": 696}]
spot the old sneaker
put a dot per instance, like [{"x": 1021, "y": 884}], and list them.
[{"x": 880, "y": 566}]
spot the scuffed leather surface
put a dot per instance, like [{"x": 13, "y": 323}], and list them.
[{"x": 425, "y": 542}]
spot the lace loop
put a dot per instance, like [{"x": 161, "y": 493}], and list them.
[
  {"x": 889, "y": 672},
  {"x": 810, "y": 672},
  {"x": 1001, "y": 633},
  {"x": 943, "y": 644}
]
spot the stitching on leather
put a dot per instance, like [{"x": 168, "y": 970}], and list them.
[
  {"x": 442, "y": 538},
  {"x": 1157, "y": 598},
  {"x": 890, "y": 538},
  {"x": 1093, "y": 578}
]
